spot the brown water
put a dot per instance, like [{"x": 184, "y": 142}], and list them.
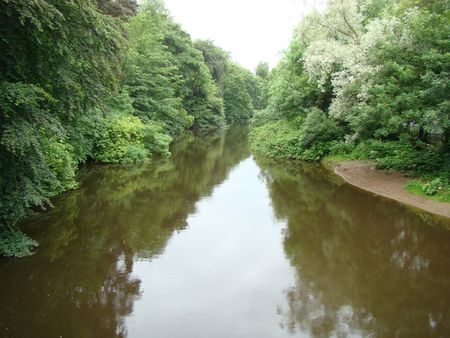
[{"x": 216, "y": 243}]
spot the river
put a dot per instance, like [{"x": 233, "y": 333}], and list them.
[{"x": 215, "y": 242}]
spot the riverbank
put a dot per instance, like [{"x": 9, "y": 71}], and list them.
[{"x": 363, "y": 175}]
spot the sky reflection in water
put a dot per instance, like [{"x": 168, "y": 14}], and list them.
[{"x": 216, "y": 243}]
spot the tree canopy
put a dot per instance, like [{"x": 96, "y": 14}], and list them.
[
  {"x": 365, "y": 79},
  {"x": 238, "y": 87},
  {"x": 106, "y": 81}
]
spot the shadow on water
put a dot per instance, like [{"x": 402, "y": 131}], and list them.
[
  {"x": 365, "y": 266},
  {"x": 80, "y": 280}
]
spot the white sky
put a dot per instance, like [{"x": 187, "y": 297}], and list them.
[{"x": 251, "y": 30}]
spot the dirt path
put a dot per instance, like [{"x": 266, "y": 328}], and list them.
[{"x": 391, "y": 185}]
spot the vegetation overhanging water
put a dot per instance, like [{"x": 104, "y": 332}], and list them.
[{"x": 214, "y": 241}]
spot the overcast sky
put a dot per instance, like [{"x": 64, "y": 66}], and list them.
[{"x": 251, "y": 30}]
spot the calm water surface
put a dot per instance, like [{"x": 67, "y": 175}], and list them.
[{"x": 216, "y": 243}]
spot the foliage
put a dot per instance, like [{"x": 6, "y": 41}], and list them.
[
  {"x": 291, "y": 93},
  {"x": 90, "y": 81},
  {"x": 15, "y": 243},
  {"x": 262, "y": 70},
  {"x": 126, "y": 139},
  {"x": 378, "y": 71},
  {"x": 285, "y": 139},
  {"x": 237, "y": 99},
  {"x": 59, "y": 156},
  {"x": 197, "y": 89},
  {"x": 216, "y": 59},
  {"x": 240, "y": 89},
  {"x": 36, "y": 162},
  {"x": 118, "y": 8},
  {"x": 53, "y": 68},
  {"x": 262, "y": 77},
  {"x": 151, "y": 78},
  {"x": 317, "y": 128},
  {"x": 276, "y": 139},
  {"x": 432, "y": 188},
  {"x": 51, "y": 44},
  {"x": 437, "y": 188}
]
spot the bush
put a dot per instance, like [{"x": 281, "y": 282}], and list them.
[
  {"x": 36, "y": 161},
  {"x": 317, "y": 129},
  {"x": 261, "y": 117},
  {"x": 59, "y": 156},
  {"x": 437, "y": 188},
  {"x": 433, "y": 187},
  {"x": 14, "y": 243},
  {"x": 276, "y": 139},
  {"x": 402, "y": 155},
  {"x": 315, "y": 152},
  {"x": 126, "y": 139},
  {"x": 155, "y": 140},
  {"x": 307, "y": 139},
  {"x": 342, "y": 148}
]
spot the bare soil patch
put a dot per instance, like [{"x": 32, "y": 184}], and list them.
[{"x": 362, "y": 174}]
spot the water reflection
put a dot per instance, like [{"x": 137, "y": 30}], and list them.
[
  {"x": 365, "y": 267},
  {"x": 212, "y": 243},
  {"x": 80, "y": 282}
]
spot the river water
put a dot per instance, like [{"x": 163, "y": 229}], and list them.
[{"x": 215, "y": 242}]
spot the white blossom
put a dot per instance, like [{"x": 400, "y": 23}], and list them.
[{"x": 340, "y": 49}]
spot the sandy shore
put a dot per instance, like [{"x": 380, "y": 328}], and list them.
[{"x": 391, "y": 185}]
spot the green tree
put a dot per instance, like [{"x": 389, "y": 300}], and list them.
[
  {"x": 378, "y": 71},
  {"x": 239, "y": 88},
  {"x": 216, "y": 59},
  {"x": 197, "y": 90},
  {"x": 118, "y": 8},
  {"x": 53, "y": 69},
  {"x": 262, "y": 70},
  {"x": 151, "y": 77}
]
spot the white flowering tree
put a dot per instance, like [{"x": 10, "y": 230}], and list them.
[
  {"x": 374, "y": 73},
  {"x": 341, "y": 43}
]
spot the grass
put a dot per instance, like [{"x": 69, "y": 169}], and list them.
[
  {"x": 422, "y": 188},
  {"x": 338, "y": 157}
]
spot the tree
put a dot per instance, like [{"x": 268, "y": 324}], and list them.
[
  {"x": 378, "y": 71},
  {"x": 54, "y": 68},
  {"x": 118, "y": 8},
  {"x": 197, "y": 88},
  {"x": 239, "y": 88},
  {"x": 152, "y": 77},
  {"x": 216, "y": 59},
  {"x": 262, "y": 70}
]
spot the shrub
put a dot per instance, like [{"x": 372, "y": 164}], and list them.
[
  {"x": 276, "y": 139},
  {"x": 15, "y": 243},
  {"x": 306, "y": 139},
  {"x": 433, "y": 187},
  {"x": 420, "y": 158},
  {"x": 126, "y": 139},
  {"x": 59, "y": 156},
  {"x": 317, "y": 129},
  {"x": 438, "y": 188}
]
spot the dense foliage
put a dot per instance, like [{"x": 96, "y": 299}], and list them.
[
  {"x": 54, "y": 68},
  {"x": 241, "y": 90},
  {"x": 83, "y": 80},
  {"x": 366, "y": 79}
]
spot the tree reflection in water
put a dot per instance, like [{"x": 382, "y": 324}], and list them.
[
  {"x": 80, "y": 282},
  {"x": 365, "y": 266},
  {"x": 362, "y": 266}
]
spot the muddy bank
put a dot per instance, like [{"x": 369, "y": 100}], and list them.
[{"x": 363, "y": 175}]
